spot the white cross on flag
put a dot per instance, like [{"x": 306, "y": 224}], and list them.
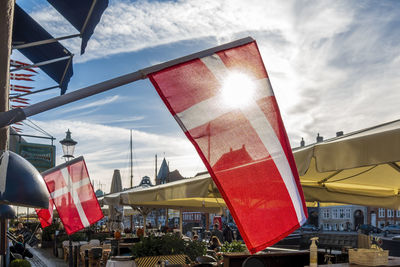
[
  {"x": 73, "y": 196},
  {"x": 225, "y": 105}
]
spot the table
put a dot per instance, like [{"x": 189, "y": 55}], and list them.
[
  {"x": 393, "y": 261},
  {"x": 116, "y": 263}
]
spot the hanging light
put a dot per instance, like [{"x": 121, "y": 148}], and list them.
[{"x": 68, "y": 146}]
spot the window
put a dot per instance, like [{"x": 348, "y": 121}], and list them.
[
  {"x": 325, "y": 214},
  {"x": 398, "y": 213},
  {"x": 341, "y": 213},
  {"x": 381, "y": 213},
  {"x": 348, "y": 213},
  {"x": 390, "y": 213},
  {"x": 334, "y": 213}
]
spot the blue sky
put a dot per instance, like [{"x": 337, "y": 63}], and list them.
[{"x": 333, "y": 66}]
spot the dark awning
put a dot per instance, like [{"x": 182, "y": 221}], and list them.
[
  {"x": 53, "y": 58},
  {"x": 84, "y": 15}
]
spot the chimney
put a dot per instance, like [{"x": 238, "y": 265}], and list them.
[
  {"x": 339, "y": 133},
  {"x": 302, "y": 143},
  {"x": 319, "y": 138}
]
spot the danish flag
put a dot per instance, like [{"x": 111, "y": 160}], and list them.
[
  {"x": 21, "y": 76},
  {"x": 73, "y": 196},
  {"x": 225, "y": 105}
]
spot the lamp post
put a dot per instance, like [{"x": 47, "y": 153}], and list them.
[{"x": 68, "y": 146}]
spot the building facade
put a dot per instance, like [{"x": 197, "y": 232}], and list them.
[
  {"x": 342, "y": 218},
  {"x": 380, "y": 217}
]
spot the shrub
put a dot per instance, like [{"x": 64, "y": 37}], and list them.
[
  {"x": 234, "y": 246},
  {"x": 20, "y": 263}
]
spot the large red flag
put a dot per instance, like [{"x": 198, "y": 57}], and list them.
[
  {"x": 225, "y": 105},
  {"x": 73, "y": 196}
]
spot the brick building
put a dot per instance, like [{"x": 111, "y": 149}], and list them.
[{"x": 380, "y": 217}]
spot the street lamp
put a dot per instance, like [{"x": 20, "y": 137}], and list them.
[{"x": 68, "y": 146}]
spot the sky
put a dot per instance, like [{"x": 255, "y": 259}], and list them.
[{"x": 333, "y": 66}]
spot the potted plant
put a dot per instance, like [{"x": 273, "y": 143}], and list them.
[{"x": 20, "y": 263}]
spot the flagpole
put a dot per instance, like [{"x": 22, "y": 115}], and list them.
[{"x": 19, "y": 114}]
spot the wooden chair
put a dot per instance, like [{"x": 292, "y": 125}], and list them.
[
  {"x": 106, "y": 253},
  {"x": 82, "y": 253},
  {"x": 65, "y": 246},
  {"x": 95, "y": 256}
]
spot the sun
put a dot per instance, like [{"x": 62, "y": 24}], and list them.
[{"x": 237, "y": 89}]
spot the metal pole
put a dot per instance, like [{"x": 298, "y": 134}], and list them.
[
  {"x": 131, "y": 162},
  {"x": 70, "y": 256},
  {"x": 181, "y": 222},
  {"x": 3, "y": 243},
  {"x": 48, "y": 41},
  {"x": 19, "y": 114},
  {"x": 6, "y": 24}
]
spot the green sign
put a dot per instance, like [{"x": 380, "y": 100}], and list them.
[{"x": 39, "y": 155}]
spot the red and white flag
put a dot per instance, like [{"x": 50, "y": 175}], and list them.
[
  {"x": 73, "y": 196},
  {"x": 46, "y": 215},
  {"x": 17, "y": 64},
  {"x": 20, "y": 88},
  {"x": 226, "y": 107},
  {"x": 21, "y": 76}
]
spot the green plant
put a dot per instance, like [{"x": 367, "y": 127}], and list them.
[
  {"x": 49, "y": 231},
  {"x": 169, "y": 244},
  {"x": 234, "y": 246},
  {"x": 20, "y": 263}
]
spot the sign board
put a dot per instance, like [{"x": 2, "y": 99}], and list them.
[
  {"x": 39, "y": 155},
  {"x": 191, "y": 217}
]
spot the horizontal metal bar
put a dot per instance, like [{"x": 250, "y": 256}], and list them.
[
  {"x": 15, "y": 115},
  {"x": 35, "y": 136},
  {"x": 34, "y": 92},
  {"x": 42, "y": 42},
  {"x": 42, "y": 63}
]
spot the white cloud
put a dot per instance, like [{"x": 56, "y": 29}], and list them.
[
  {"x": 92, "y": 104},
  {"x": 333, "y": 65},
  {"x": 106, "y": 148}
]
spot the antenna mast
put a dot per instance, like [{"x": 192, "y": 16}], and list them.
[{"x": 131, "y": 162}]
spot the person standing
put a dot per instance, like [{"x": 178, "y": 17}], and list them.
[{"x": 227, "y": 233}]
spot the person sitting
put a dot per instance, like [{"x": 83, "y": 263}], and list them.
[
  {"x": 19, "y": 248},
  {"x": 215, "y": 244},
  {"x": 21, "y": 229},
  {"x": 216, "y": 232}
]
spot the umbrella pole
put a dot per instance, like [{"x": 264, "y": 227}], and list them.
[
  {"x": 3, "y": 244},
  {"x": 180, "y": 222},
  {"x": 131, "y": 223},
  {"x": 144, "y": 224}
]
